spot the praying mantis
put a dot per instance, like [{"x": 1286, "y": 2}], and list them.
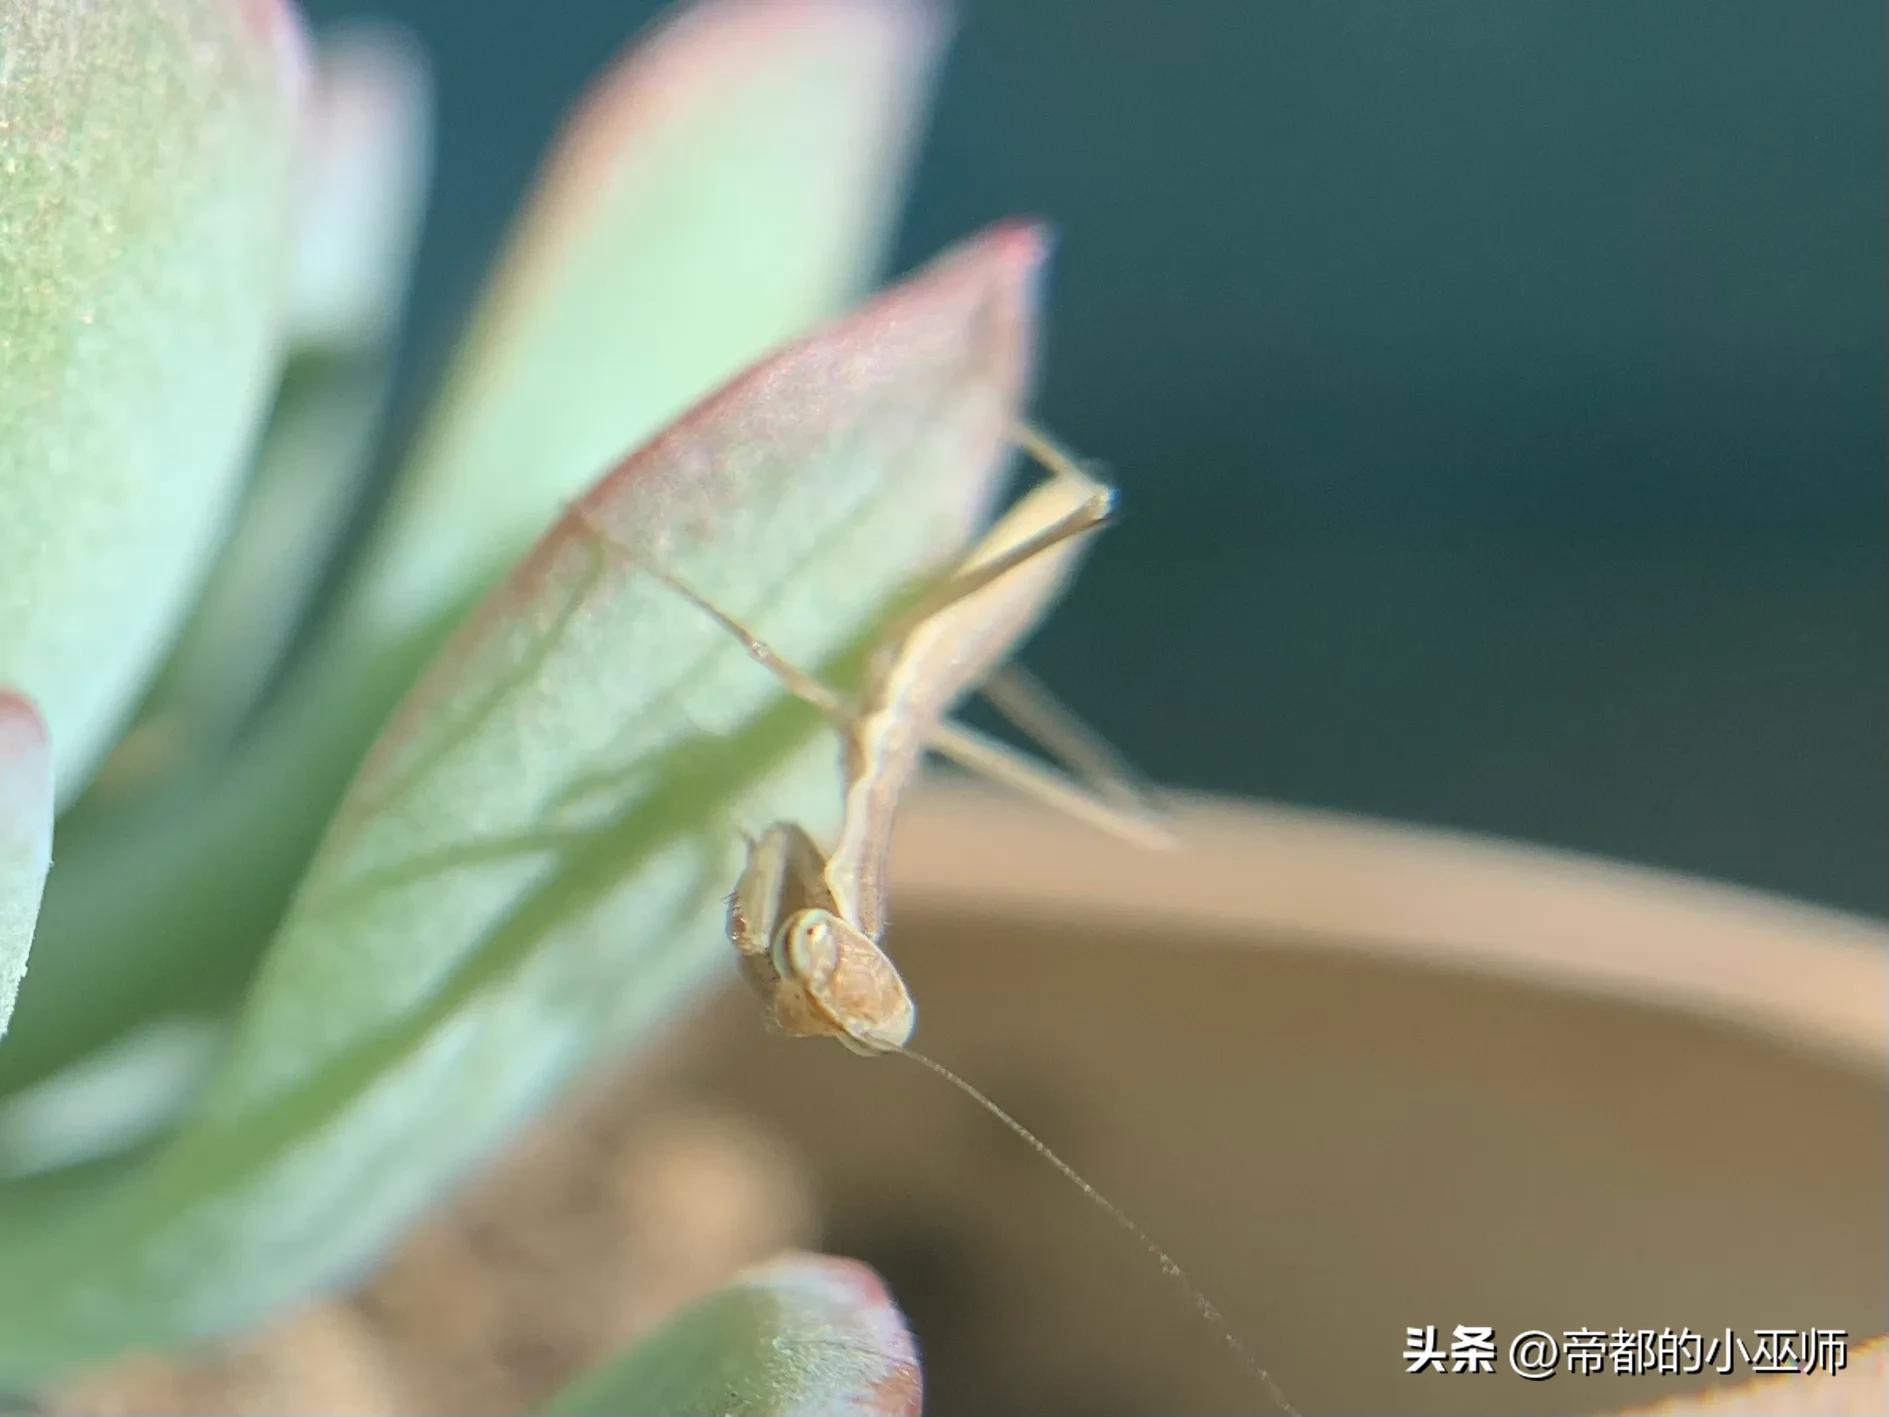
[{"x": 808, "y": 924}]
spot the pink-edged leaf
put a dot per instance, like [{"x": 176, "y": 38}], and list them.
[
  {"x": 532, "y": 863},
  {"x": 801, "y": 1336},
  {"x": 26, "y": 807},
  {"x": 727, "y": 185}
]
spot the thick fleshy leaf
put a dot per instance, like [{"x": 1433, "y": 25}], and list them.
[
  {"x": 365, "y": 161},
  {"x": 802, "y": 1336},
  {"x": 728, "y": 186},
  {"x": 143, "y": 872},
  {"x": 532, "y": 862},
  {"x": 312, "y": 464},
  {"x": 145, "y": 156},
  {"x": 723, "y": 190},
  {"x": 26, "y": 798},
  {"x": 363, "y": 173}
]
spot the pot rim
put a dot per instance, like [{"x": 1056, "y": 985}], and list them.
[{"x": 1807, "y": 977}]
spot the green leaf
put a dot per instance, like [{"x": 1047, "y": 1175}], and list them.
[
  {"x": 366, "y": 145},
  {"x": 365, "y": 166},
  {"x": 532, "y": 862},
  {"x": 26, "y": 801},
  {"x": 728, "y": 186},
  {"x": 145, "y": 156},
  {"x": 803, "y": 1334},
  {"x": 725, "y": 188}
]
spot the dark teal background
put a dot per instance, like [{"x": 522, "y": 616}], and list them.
[{"x": 1496, "y": 389}]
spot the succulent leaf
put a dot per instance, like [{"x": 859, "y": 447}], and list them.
[
  {"x": 146, "y": 149},
  {"x": 723, "y": 189},
  {"x": 531, "y": 864},
  {"x": 801, "y": 1336},
  {"x": 365, "y": 146},
  {"x": 728, "y": 185},
  {"x": 366, "y": 154}
]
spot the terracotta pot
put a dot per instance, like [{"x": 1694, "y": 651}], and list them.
[{"x": 1357, "y": 1078}]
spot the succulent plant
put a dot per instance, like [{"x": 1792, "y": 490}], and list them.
[{"x": 368, "y": 844}]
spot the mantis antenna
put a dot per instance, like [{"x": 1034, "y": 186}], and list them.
[{"x": 1169, "y": 1266}]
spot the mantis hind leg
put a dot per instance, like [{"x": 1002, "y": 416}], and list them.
[
  {"x": 1028, "y": 705},
  {"x": 1137, "y": 820}
]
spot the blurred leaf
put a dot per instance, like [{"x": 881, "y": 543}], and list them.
[
  {"x": 365, "y": 162},
  {"x": 532, "y": 862},
  {"x": 728, "y": 185},
  {"x": 145, "y": 156},
  {"x": 365, "y": 156},
  {"x": 26, "y": 802},
  {"x": 311, "y": 467},
  {"x": 803, "y": 1334},
  {"x": 116, "y": 1097}
]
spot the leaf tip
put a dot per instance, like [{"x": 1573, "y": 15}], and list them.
[
  {"x": 26, "y": 812},
  {"x": 17, "y": 708},
  {"x": 277, "y": 26},
  {"x": 1018, "y": 250},
  {"x": 26, "y": 781},
  {"x": 854, "y": 1291},
  {"x": 994, "y": 280},
  {"x": 24, "y": 744},
  {"x": 366, "y": 140}
]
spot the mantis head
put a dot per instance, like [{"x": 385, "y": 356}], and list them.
[{"x": 836, "y": 981}]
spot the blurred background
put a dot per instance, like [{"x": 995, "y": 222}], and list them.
[{"x": 1496, "y": 389}]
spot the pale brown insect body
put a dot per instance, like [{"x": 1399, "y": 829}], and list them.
[{"x": 808, "y": 924}]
